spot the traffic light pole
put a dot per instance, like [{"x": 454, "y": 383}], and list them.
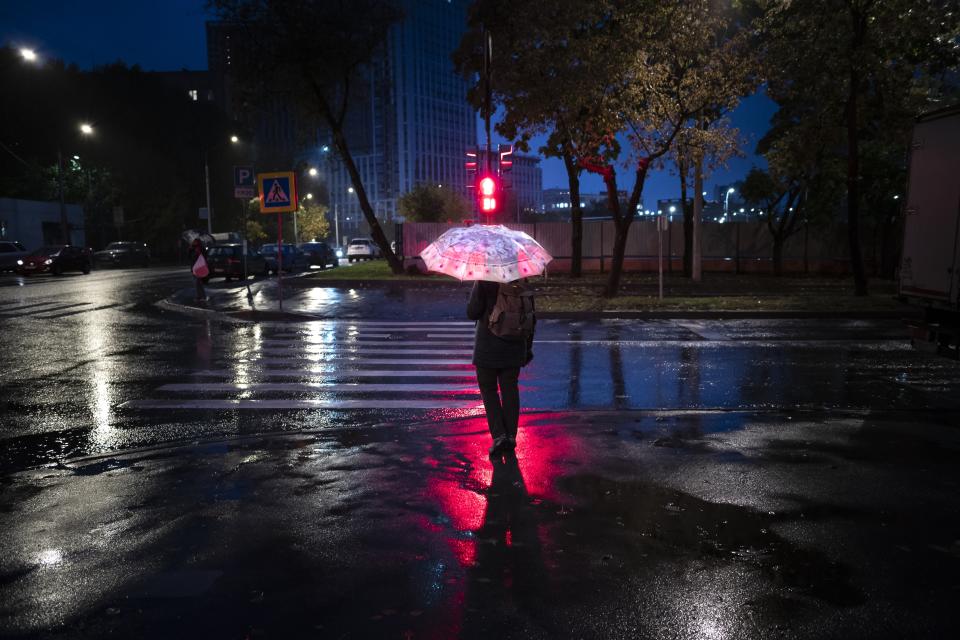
[{"x": 487, "y": 94}]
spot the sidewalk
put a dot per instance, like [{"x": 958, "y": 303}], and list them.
[
  {"x": 605, "y": 525},
  {"x": 321, "y": 295}
]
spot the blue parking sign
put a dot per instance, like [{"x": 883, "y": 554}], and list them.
[{"x": 243, "y": 176}]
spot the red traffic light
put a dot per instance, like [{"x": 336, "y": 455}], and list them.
[{"x": 487, "y": 189}]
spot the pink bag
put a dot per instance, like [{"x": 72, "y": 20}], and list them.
[{"x": 200, "y": 268}]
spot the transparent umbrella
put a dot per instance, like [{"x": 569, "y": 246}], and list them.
[{"x": 486, "y": 252}]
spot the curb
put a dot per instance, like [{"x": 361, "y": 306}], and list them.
[
  {"x": 287, "y": 317},
  {"x": 729, "y": 315}
]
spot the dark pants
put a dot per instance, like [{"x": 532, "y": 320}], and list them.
[
  {"x": 503, "y": 408},
  {"x": 201, "y": 294}
]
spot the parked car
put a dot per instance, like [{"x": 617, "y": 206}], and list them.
[
  {"x": 10, "y": 252},
  {"x": 123, "y": 254},
  {"x": 56, "y": 259},
  {"x": 362, "y": 249},
  {"x": 226, "y": 260},
  {"x": 319, "y": 254},
  {"x": 293, "y": 258}
]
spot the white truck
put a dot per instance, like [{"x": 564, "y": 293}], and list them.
[{"x": 930, "y": 263}]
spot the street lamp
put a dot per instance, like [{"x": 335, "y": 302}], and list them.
[
  {"x": 313, "y": 172},
  {"x": 206, "y": 177},
  {"x": 726, "y": 201},
  {"x": 28, "y": 54},
  {"x": 86, "y": 128}
]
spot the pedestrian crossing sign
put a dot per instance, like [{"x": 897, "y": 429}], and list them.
[{"x": 278, "y": 192}]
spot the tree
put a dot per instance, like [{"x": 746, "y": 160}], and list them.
[
  {"x": 312, "y": 221},
  {"x": 660, "y": 78},
  {"x": 317, "y": 53},
  {"x": 872, "y": 64},
  {"x": 715, "y": 141},
  {"x": 154, "y": 172},
  {"x": 255, "y": 231},
  {"x": 428, "y": 203}
]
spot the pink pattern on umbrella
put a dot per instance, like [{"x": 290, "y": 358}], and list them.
[{"x": 486, "y": 252}]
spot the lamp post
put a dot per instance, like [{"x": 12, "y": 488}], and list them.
[
  {"x": 726, "y": 201},
  {"x": 206, "y": 178},
  {"x": 87, "y": 130}
]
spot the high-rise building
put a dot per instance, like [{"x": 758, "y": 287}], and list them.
[
  {"x": 412, "y": 125},
  {"x": 526, "y": 182},
  {"x": 271, "y": 119}
]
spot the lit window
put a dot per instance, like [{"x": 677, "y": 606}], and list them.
[{"x": 193, "y": 94}]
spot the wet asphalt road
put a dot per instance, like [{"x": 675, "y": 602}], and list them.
[{"x": 714, "y": 479}]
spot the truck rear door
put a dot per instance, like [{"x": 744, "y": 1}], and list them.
[{"x": 929, "y": 265}]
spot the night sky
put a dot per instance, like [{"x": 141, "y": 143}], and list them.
[{"x": 169, "y": 35}]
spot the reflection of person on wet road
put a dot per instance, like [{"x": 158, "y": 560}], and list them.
[
  {"x": 508, "y": 588},
  {"x": 498, "y": 361}
]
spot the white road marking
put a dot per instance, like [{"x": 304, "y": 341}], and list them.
[
  {"x": 393, "y": 361},
  {"x": 213, "y": 404},
  {"x": 339, "y": 373},
  {"x": 703, "y": 331},
  {"x": 313, "y": 350},
  {"x": 348, "y": 387},
  {"x": 399, "y": 323}
]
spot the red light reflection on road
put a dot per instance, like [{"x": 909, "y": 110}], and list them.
[{"x": 461, "y": 484}]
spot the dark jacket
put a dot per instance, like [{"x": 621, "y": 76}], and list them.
[{"x": 490, "y": 351}]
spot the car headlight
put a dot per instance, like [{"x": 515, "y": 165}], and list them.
[
  {"x": 19, "y": 263},
  {"x": 48, "y": 261}
]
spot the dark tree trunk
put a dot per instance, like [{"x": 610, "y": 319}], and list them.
[
  {"x": 376, "y": 231},
  {"x": 853, "y": 161},
  {"x": 576, "y": 215},
  {"x": 687, "y": 223},
  {"x": 778, "y": 255},
  {"x": 619, "y": 253}
]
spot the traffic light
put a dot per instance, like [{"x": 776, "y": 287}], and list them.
[{"x": 487, "y": 193}]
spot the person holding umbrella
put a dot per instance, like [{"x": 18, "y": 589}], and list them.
[
  {"x": 499, "y": 260},
  {"x": 499, "y": 352}
]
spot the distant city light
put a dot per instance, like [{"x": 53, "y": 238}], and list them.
[
  {"x": 309, "y": 196},
  {"x": 325, "y": 148},
  {"x": 897, "y": 197},
  {"x": 234, "y": 139},
  {"x": 76, "y": 157},
  {"x": 673, "y": 209},
  {"x": 313, "y": 171},
  {"x": 86, "y": 129},
  {"x": 28, "y": 54},
  {"x": 349, "y": 189}
]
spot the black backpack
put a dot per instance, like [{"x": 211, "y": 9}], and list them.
[{"x": 513, "y": 314}]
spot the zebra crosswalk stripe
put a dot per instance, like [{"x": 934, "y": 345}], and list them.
[{"x": 302, "y": 371}]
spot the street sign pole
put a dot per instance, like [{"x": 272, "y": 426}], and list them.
[
  {"x": 278, "y": 194},
  {"x": 280, "y": 257}
]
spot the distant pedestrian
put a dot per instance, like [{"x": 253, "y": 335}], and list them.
[
  {"x": 199, "y": 267},
  {"x": 503, "y": 344}
]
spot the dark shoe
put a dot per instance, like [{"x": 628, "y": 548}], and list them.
[
  {"x": 511, "y": 443},
  {"x": 499, "y": 446}
]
